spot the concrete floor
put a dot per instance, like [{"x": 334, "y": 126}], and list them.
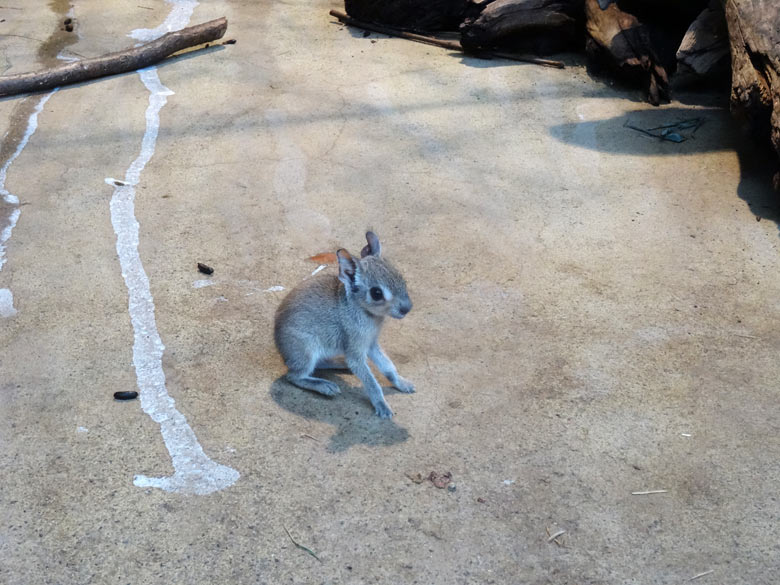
[{"x": 595, "y": 315}]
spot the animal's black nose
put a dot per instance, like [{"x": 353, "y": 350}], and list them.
[{"x": 404, "y": 309}]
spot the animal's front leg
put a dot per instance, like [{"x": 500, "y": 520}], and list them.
[
  {"x": 360, "y": 368},
  {"x": 387, "y": 368}
]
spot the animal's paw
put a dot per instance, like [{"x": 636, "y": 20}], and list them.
[
  {"x": 383, "y": 410},
  {"x": 329, "y": 388},
  {"x": 404, "y": 385}
]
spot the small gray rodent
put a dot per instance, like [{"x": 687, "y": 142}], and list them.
[{"x": 330, "y": 316}]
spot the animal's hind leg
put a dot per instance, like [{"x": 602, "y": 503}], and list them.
[{"x": 300, "y": 374}]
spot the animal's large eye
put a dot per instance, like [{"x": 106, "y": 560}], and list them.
[{"x": 376, "y": 293}]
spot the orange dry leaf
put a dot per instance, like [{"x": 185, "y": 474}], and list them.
[{"x": 324, "y": 258}]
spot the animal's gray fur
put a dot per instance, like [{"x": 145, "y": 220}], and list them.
[{"x": 331, "y": 316}]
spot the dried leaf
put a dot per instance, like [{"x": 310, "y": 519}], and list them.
[
  {"x": 416, "y": 477},
  {"x": 324, "y": 258},
  {"x": 440, "y": 480}
]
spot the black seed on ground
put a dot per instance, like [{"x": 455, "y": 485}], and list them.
[
  {"x": 126, "y": 395},
  {"x": 205, "y": 269}
]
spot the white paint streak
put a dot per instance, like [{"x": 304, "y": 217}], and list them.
[
  {"x": 177, "y": 19},
  {"x": 203, "y": 283},
  {"x": 32, "y": 125},
  {"x": 6, "y": 296},
  {"x": 319, "y": 269},
  {"x": 194, "y": 471},
  {"x": 6, "y": 303}
]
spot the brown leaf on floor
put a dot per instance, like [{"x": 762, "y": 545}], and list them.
[
  {"x": 324, "y": 258},
  {"x": 440, "y": 480},
  {"x": 416, "y": 477}
]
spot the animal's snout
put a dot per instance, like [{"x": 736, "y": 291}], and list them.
[{"x": 405, "y": 308}]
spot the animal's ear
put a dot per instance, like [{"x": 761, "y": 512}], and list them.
[
  {"x": 347, "y": 267},
  {"x": 374, "y": 248}
]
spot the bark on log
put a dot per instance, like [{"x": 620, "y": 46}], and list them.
[
  {"x": 622, "y": 39},
  {"x": 114, "y": 63},
  {"x": 754, "y": 34},
  {"x": 423, "y": 15},
  {"x": 539, "y": 25},
  {"x": 704, "y": 49}
]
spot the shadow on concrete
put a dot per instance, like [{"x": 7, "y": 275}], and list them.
[
  {"x": 719, "y": 133},
  {"x": 350, "y": 413}
]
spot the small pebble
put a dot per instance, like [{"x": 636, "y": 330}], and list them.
[
  {"x": 205, "y": 269},
  {"x": 451, "y": 488},
  {"x": 126, "y": 395},
  {"x": 230, "y": 42},
  {"x": 69, "y": 27},
  {"x": 68, "y": 21}
]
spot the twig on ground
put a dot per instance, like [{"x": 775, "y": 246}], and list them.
[
  {"x": 446, "y": 44},
  {"x": 701, "y": 575},
  {"x": 310, "y": 437},
  {"x": 554, "y": 537},
  {"x": 648, "y": 492},
  {"x": 300, "y": 546}
]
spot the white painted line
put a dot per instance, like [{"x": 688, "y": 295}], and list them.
[
  {"x": 194, "y": 471},
  {"x": 177, "y": 19},
  {"x": 6, "y": 303},
  {"x": 6, "y": 296}
]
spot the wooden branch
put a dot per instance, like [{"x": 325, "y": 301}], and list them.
[
  {"x": 114, "y": 63},
  {"x": 446, "y": 44}
]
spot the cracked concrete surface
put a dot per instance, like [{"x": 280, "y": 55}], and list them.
[{"x": 595, "y": 315}]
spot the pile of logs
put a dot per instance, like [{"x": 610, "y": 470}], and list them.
[{"x": 645, "y": 42}]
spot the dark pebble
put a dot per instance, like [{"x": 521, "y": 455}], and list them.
[
  {"x": 230, "y": 42},
  {"x": 205, "y": 269},
  {"x": 126, "y": 395},
  {"x": 68, "y": 21},
  {"x": 69, "y": 27}
]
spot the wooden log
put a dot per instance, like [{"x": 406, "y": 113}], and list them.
[
  {"x": 538, "y": 25},
  {"x": 704, "y": 49},
  {"x": 420, "y": 15},
  {"x": 754, "y": 36},
  {"x": 444, "y": 43},
  {"x": 626, "y": 43},
  {"x": 114, "y": 63}
]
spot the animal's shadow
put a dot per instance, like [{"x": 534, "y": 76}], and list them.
[{"x": 350, "y": 413}]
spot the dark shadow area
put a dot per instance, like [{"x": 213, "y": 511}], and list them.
[
  {"x": 757, "y": 166},
  {"x": 719, "y": 132},
  {"x": 350, "y": 413},
  {"x": 613, "y": 135}
]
